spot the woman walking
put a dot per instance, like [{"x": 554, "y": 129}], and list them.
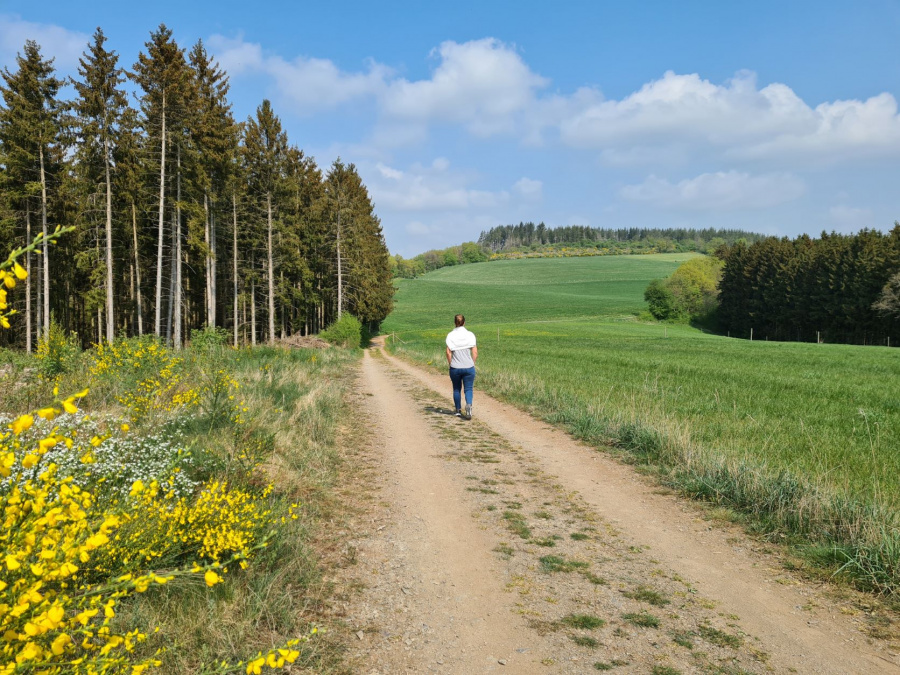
[{"x": 461, "y": 356}]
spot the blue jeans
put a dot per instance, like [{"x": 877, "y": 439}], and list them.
[{"x": 462, "y": 377}]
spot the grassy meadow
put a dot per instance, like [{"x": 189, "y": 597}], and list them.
[
  {"x": 803, "y": 436},
  {"x": 196, "y": 481}
]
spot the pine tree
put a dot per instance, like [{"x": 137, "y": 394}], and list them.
[
  {"x": 97, "y": 111},
  {"x": 29, "y": 133},
  {"x": 162, "y": 74},
  {"x": 265, "y": 146},
  {"x": 215, "y": 137}
]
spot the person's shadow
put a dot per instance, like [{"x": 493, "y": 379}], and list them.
[{"x": 439, "y": 411}]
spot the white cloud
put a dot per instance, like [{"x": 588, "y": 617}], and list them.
[
  {"x": 529, "y": 188},
  {"x": 686, "y": 115},
  {"x": 430, "y": 189},
  {"x": 64, "y": 45},
  {"x": 721, "y": 191},
  {"x": 482, "y": 84},
  {"x": 312, "y": 84},
  {"x": 486, "y": 87}
]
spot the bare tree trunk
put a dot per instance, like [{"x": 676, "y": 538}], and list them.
[
  {"x": 171, "y": 285},
  {"x": 253, "y": 312},
  {"x": 176, "y": 335},
  {"x": 213, "y": 291},
  {"x": 271, "y": 274},
  {"x": 110, "y": 317},
  {"x": 46, "y": 247},
  {"x": 234, "y": 251},
  {"x": 283, "y": 309},
  {"x": 340, "y": 279},
  {"x": 131, "y": 294},
  {"x": 28, "y": 346},
  {"x": 160, "y": 240},
  {"x": 208, "y": 261},
  {"x": 137, "y": 270}
]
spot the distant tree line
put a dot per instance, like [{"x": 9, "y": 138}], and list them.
[
  {"x": 410, "y": 268},
  {"x": 184, "y": 216},
  {"x": 665, "y": 240},
  {"x": 527, "y": 240},
  {"x": 838, "y": 288}
]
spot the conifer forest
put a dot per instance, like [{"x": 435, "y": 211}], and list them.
[{"x": 183, "y": 217}]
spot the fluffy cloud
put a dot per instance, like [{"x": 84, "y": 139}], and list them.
[
  {"x": 483, "y": 85},
  {"x": 313, "y": 85},
  {"x": 529, "y": 188},
  {"x": 487, "y": 88},
  {"x": 433, "y": 188},
  {"x": 64, "y": 45},
  {"x": 722, "y": 191},
  {"x": 685, "y": 115}
]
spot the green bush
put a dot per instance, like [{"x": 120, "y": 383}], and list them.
[
  {"x": 661, "y": 301},
  {"x": 58, "y": 352},
  {"x": 345, "y": 332},
  {"x": 209, "y": 338},
  {"x": 691, "y": 293}
]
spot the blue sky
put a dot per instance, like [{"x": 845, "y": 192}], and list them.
[{"x": 777, "y": 117}]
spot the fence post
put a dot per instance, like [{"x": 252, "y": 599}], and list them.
[{"x": 751, "y": 335}]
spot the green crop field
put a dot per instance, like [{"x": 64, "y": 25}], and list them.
[{"x": 805, "y": 436}]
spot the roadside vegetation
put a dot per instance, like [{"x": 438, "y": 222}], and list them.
[
  {"x": 158, "y": 504},
  {"x": 800, "y": 438}
]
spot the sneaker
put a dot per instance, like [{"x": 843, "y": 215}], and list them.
[
  {"x": 458, "y": 412},
  {"x": 468, "y": 412}
]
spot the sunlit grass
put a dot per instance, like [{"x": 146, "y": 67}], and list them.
[{"x": 802, "y": 435}]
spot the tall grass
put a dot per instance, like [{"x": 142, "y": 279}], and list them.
[
  {"x": 292, "y": 407},
  {"x": 801, "y": 437}
]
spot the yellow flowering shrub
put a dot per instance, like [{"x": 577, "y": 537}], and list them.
[
  {"x": 149, "y": 372},
  {"x": 218, "y": 524},
  {"x": 51, "y": 531},
  {"x": 56, "y": 537}
]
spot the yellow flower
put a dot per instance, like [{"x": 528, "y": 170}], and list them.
[
  {"x": 60, "y": 643},
  {"x": 19, "y": 271},
  {"x": 136, "y": 488},
  {"x": 23, "y": 423},
  {"x": 212, "y": 579},
  {"x": 48, "y": 413},
  {"x": 125, "y": 428},
  {"x": 69, "y": 406}
]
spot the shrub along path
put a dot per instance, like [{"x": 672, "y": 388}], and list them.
[{"x": 503, "y": 545}]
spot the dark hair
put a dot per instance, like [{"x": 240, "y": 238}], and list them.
[{"x": 459, "y": 320}]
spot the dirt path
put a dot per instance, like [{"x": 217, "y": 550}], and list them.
[{"x": 503, "y": 545}]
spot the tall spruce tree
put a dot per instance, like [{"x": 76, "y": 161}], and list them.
[
  {"x": 163, "y": 76},
  {"x": 215, "y": 137},
  {"x": 29, "y": 133},
  {"x": 98, "y": 109},
  {"x": 265, "y": 146}
]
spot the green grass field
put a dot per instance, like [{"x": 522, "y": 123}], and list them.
[{"x": 803, "y": 435}]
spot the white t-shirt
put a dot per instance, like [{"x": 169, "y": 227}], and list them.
[{"x": 460, "y": 342}]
